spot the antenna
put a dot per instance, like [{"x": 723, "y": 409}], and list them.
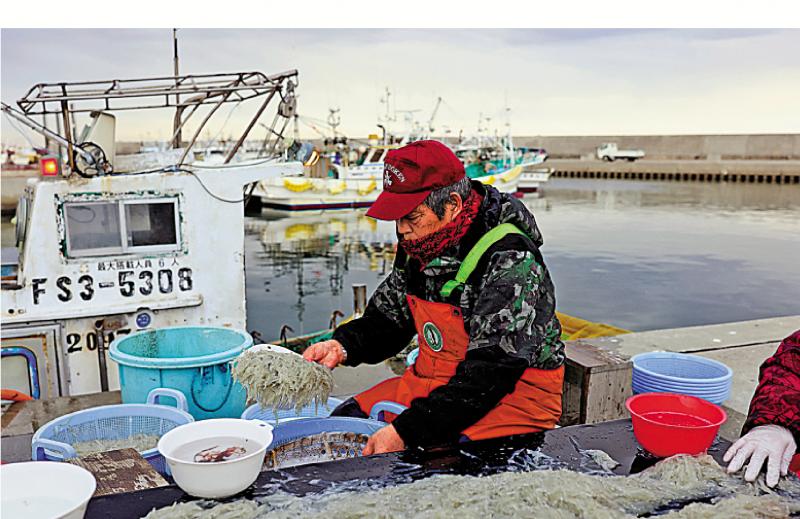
[
  {"x": 391, "y": 107},
  {"x": 334, "y": 120}
]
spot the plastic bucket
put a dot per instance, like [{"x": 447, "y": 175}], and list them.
[
  {"x": 666, "y": 424},
  {"x": 194, "y": 360}
]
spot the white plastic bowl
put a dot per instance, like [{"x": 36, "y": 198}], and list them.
[
  {"x": 224, "y": 478},
  {"x": 45, "y": 490}
]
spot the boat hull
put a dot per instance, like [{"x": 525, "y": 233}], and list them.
[
  {"x": 531, "y": 181},
  {"x": 301, "y": 193}
]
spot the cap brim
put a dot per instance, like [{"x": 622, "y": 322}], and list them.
[{"x": 393, "y": 206}]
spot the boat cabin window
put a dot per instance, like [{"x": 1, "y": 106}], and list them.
[
  {"x": 151, "y": 223},
  {"x": 121, "y": 227},
  {"x": 93, "y": 228},
  {"x": 376, "y": 156}
]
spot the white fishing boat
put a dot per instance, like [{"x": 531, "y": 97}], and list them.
[
  {"x": 490, "y": 158},
  {"x": 102, "y": 253},
  {"x": 358, "y": 187},
  {"x": 532, "y": 179},
  {"x": 327, "y": 185},
  {"x": 304, "y": 193}
]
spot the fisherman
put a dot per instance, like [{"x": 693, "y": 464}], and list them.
[
  {"x": 470, "y": 282},
  {"x": 772, "y": 429}
]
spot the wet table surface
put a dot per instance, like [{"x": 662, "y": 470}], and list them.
[{"x": 562, "y": 448}]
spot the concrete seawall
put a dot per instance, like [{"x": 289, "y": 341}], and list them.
[
  {"x": 767, "y": 158},
  {"x": 748, "y": 171},
  {"x": 772, "y": 147}
]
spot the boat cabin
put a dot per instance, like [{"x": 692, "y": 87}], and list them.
[{"x": 105, "y": 251}]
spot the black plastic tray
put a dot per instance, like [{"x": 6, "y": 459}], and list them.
[{"x": 562, "y": 445}]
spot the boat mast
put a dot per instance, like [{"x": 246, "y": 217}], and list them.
[
  {"x": 509, "y": 143},
  {"x": 176, "y": 123}
]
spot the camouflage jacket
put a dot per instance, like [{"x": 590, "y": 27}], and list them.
[{"x": 508, "y": 306}]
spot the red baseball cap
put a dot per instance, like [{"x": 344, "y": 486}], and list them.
[{"x": 410, "y": 174}]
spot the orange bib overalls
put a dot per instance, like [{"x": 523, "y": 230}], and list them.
[{"x": 533, "y": 405}]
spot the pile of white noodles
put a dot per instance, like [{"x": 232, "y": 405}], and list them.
[
  {"x": 140, "y": 442},
  {"x": 537, "y": 494}
]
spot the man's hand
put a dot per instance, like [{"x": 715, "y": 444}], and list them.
[
  {"x": 385, "y": 440},
  {"x": 328, "y": 353},
  {"x": 765, "y": 442}
]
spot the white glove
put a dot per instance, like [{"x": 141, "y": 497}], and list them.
[{"x": 765, "y": 442}]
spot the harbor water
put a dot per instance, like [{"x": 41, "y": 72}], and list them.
[{"x": 638, "y": 255}]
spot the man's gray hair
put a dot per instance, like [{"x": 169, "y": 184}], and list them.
[{"x": 439, "y": 198}]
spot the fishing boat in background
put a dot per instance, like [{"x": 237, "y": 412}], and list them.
[
  {"x": 495, "y": 161},
  {"x": 326, "y": 185},
  {"x": 349, "y": 173},
  {"x": 533, "y": 178}
]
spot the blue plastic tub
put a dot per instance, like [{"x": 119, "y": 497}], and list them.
[
  {"x": 292, "y": 430},
  {"x": 54, "y": 440},
  {"x": 195, "y": 360},
  {"x": 256, "y": 412}
]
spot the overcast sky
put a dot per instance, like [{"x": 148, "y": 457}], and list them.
[{"x": 556, "y": 82}]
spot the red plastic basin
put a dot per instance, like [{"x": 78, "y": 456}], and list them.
[{"x": 666, "y": 424}]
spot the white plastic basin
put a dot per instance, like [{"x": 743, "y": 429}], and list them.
[
  {"x": 220, "y": 479},
  {"x": 45, "y": 490}
]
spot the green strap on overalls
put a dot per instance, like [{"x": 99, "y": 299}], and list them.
[{"x": 471, "y": 261}]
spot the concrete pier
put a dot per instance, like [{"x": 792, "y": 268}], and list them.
[
  {"x": 775, "y": 147},
  {"x": 739, "y": 171},
  {"x": 742, "y": 346}
]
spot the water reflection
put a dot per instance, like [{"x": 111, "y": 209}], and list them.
[
  {"x": 306, "y": 263},
  {"x": 640, "y": 255}
]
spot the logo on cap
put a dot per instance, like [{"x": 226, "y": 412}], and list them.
[{"x": 388, "y": 171}]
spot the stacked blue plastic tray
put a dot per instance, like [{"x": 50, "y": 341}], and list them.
[{"x": 667, "y": 372}]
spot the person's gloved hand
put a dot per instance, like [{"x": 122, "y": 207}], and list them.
[{"x": 765, "y": 442}]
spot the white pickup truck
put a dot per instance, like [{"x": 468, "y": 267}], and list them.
[{"x": 608, "y": 151}]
